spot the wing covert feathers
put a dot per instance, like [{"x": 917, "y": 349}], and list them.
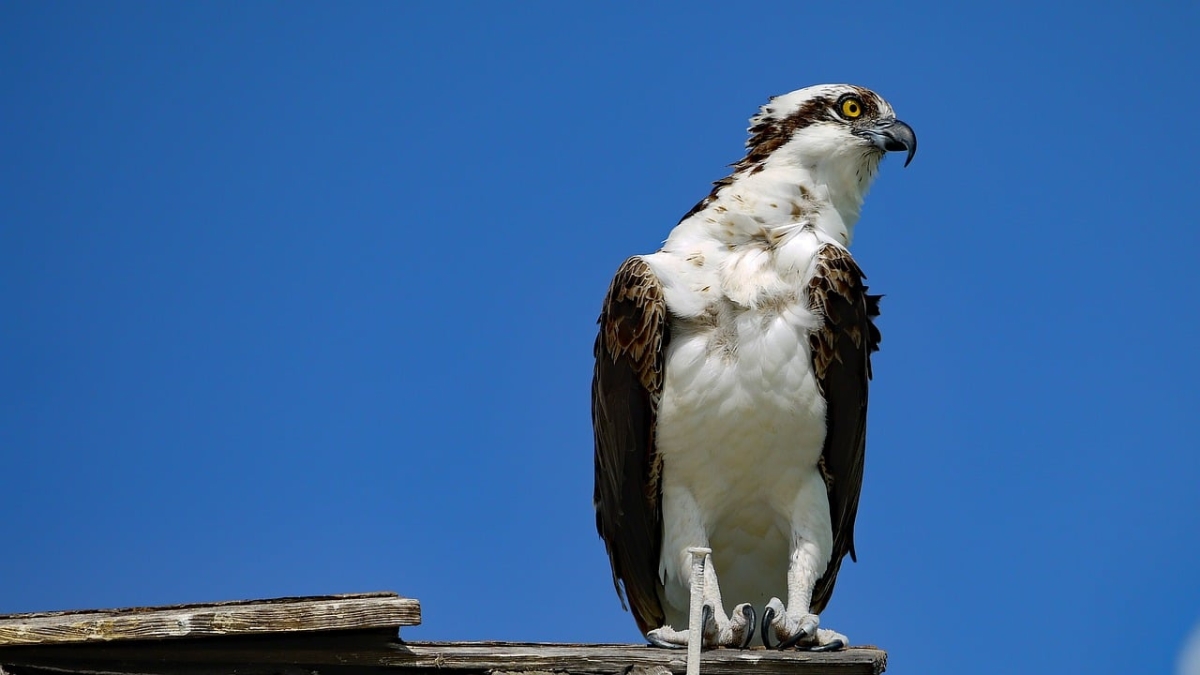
[
  {"x": 841, "y": 354},
  {"x": 626, "y": 389}
]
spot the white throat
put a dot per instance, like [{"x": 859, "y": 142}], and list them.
[{"x": 789, "y": 192}]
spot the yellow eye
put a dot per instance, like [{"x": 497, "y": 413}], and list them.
[{"x": 852, "y": 107}]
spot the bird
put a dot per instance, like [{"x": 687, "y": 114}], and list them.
[{"x": 729, "y": 395}]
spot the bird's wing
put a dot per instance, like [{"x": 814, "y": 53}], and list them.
[
  {"x": 841, "y": 354},
  {"x": 626, "y": 389}
]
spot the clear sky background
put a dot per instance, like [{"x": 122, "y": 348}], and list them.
[{"x": 300, "y": 299}]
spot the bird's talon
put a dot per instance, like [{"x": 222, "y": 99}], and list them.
[
  {"x": 805, "y": 634},
  {"x": 666, "y": 638},
  {"x": 794, "y": 640},
  {"x": 708, "y": 627},
  {"x": 748, "y": 613},
  {"x": 768, "y": 617},
  {"x": 831, "y": 646},
  {"x": 663, "y": 644}
]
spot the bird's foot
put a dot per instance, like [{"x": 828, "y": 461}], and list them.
[
  {"x": 800, "y": 630},
  {"x": 719, "y": 631}
]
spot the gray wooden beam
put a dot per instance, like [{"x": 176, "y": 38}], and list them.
[{"x": 248, "y": 617}]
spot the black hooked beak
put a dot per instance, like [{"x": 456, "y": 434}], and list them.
[{"x": 892, "y": 136}]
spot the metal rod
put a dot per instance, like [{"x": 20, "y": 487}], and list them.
[{"x": 696, "y": 609}]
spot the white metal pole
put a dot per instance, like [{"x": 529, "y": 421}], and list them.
[{"x": 696, "y": 609}]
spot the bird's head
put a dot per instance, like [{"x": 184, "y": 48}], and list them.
[{"x": 836, "y": 132}]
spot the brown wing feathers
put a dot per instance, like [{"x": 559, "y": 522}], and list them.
[
  {"x": 626, "y": 387},
  {"x": 841, "y": 353}
]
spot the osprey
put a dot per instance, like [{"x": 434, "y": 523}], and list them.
[{"x": 729, "y": 398}]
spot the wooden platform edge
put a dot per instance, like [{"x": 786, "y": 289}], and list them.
[
  {"x": 249, "y": 617},
  {"x": 344, "y": 635},
  {"x": 376, "y": 653},
  {"x": 597, "y": 659}
]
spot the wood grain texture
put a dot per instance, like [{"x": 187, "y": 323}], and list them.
[
  {"x": 247, "y": 617},
  {"x": 379, "y": 653},
  {"x": 348, "y": 647},
  {"x": 601, "y": 659}
]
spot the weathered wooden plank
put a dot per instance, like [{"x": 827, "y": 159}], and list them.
[
  {"x": 341, "y": 635},
  {"x": 322, "y": 648},
  {"x": 247, "y": 617},
  {"x": 207, "y": 669},
  {"x": 377, "y": 653},
  {"x": 601, "y": 659}
]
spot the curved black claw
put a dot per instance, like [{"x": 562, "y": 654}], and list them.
[
  {"x": 708, "y": 623},
  {"x": 748, "y": 612},
  {"x": 831, "y": 646},
  {"x": 794, "y": 640},
  {"x": 768, "y": 617}
]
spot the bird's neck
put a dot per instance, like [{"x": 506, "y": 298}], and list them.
[{"x": 782, "y": 197}]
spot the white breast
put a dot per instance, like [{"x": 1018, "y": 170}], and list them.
[{"x": 741, "y": 420}]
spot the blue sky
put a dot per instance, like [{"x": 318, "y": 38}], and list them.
[{"x": 300, "y": 299}]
